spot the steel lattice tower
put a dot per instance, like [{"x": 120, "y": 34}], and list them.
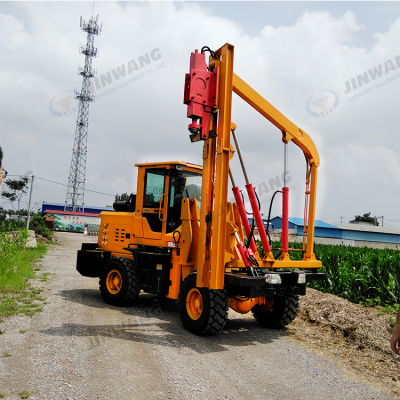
[{"x": 76, "y": 180}]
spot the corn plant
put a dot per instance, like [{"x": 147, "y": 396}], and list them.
[{"x": 358, "y": 274}]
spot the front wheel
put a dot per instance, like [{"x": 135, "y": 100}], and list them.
[
  {"x": 203, "y": 311},
  {"x": 277, "y": 313},
  {"x": 120, "y": 282}
]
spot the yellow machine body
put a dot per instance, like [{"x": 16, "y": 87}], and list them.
[{"x": 181, "y": 222}]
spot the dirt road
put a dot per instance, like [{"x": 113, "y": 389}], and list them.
[{"x": 81, "y": 348}]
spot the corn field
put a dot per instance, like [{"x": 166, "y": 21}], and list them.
[{"x": 358, "y": 274}]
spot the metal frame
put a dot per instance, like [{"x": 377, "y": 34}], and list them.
[
  {"x": 216, "y": 155},
  {"x": 74, "y": 200}
]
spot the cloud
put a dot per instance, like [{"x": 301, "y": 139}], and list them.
[
  {"x": 12, "y": 33},
  {"x": 146, "y": 120}
]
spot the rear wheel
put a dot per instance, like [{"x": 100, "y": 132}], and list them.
[
  {"x": 120, "y": 282},
  {"x": 277, "y": 313},
  {"x": 203, "y": 311}
]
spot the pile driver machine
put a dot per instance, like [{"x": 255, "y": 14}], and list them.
[{"x": 180, "y": 238}]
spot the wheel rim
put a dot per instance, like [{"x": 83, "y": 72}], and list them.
[
  {"x": 114, "y": 281},
  {"x": 194, "y": 303},
  {"x": 267, "y": 306}
]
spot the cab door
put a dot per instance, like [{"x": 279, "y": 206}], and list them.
[{"x": 154, "y": 198}]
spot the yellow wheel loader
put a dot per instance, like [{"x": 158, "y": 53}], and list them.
[{"x": 178, "y": 237}]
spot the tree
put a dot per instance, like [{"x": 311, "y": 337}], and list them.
[
  {"x": 16, "y": 189},
  {"x": 123, "y": 197},
  {"x": 365, "y": 218}
]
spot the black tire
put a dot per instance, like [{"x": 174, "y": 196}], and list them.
[
  {"x": 214, "y": 311},
  {"x": 282, "y": 313},
  {"x": 128, "y": 290}
]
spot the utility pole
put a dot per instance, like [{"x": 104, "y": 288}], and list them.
[
  {"x": 74, "y": 200},
  {"x": 29, "y": 204},
  {"x": 341, "y": 218}
]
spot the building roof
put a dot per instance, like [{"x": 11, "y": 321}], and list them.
[
  {"x": 300, "y": 222},
  {"x": 71, "y": 213},
  {"x": 318, "y": 223},
  {"x": 366, "y": 228},
  {"x": 45, "y": 203},
  {"x": 345, "y": 226},
  {"x": 167, "y": 163}
]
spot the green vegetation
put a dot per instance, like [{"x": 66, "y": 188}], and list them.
[
  {"x": 2, "y": 395},
  {"x": 23, "y": 330},
  {"x": 359, "y": 274},
  {"x": 25, "y": 394},
  {"x": 366, "y": 218},
  {"x": 5, "y": 354},
  {"x": 38, "y": 224},
  {"x": 16, "y": 268},
  {"x": 10, "y": 225},
  {"x": 16, "y": 189},
  {"x": 122, "y": 197}
]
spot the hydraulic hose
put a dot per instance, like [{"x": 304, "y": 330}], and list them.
[{"x": 270, "y": 208}]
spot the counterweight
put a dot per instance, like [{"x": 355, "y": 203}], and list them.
[{"x": 74, "y": 200}]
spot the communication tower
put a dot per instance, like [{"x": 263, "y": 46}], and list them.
[{"x": 74, "y": 200}]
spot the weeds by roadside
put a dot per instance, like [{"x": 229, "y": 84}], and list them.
[
  {"x": 25, "y": 394},
  {"x": 17, "y": 296}
]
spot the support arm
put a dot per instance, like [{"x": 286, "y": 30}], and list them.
[{"x": 290, "y": 130}]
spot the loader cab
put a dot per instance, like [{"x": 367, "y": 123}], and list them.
[{"x": 161, "y": 188}]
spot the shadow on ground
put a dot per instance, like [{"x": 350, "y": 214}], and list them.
[{"x": 157, "y": 322}]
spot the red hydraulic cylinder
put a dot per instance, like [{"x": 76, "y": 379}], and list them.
[
  {"x": 257, "y": 216},
  {"x": 285, "y": 219},
  {"x": 245, "y": 254},
  {"x": 243, "y": 216}
]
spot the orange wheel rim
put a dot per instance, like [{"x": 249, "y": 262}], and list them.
[
  {"x": 267, "y": 306},
  {"x": 114, "y": 281},
  {"x": 194, "y": 303}
]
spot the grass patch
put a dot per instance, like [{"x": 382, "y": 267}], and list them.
[
  {"x": 55, "y": 243},
  {"x": 6, "y": 354},
  {"x": 25, "y": 394},
  {"x": 16, "y": 267},
  {"x": 17, "y": 296},
  {"x": 44, "y": 276},
  {"x": 2, "y": 395},
  {"x": 23, "y": 330},
  {"x": 389, "y": 309},
  {"x": 26, "y": 302}
]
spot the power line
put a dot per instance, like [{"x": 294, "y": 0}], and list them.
[
  {"x": 386, "y": 224},
  {"x": 63, "y": 184}
]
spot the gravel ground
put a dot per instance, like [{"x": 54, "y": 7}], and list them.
[{"x": 81, "y": 348}]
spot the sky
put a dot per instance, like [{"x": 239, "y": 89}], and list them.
[{"x": 333, "y": 68}]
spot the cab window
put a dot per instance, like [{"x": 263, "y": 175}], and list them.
[
  {"x": 182, "y": 184},
  {"x": 154, "y": 188}
]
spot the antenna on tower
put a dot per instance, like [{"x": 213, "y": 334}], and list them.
[{"x": 74, "y": 200}]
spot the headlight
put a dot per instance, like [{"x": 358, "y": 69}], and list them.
[
  {"x": 273, "y": 279},
  {"x": 301, "y": 279}
]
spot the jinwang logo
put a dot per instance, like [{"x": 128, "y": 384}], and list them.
[
  {"x": 64, "y": 104},
  {"x": 322, "y": 104}
]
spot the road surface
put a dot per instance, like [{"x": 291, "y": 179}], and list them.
[{"x": 78, "y": 347}]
